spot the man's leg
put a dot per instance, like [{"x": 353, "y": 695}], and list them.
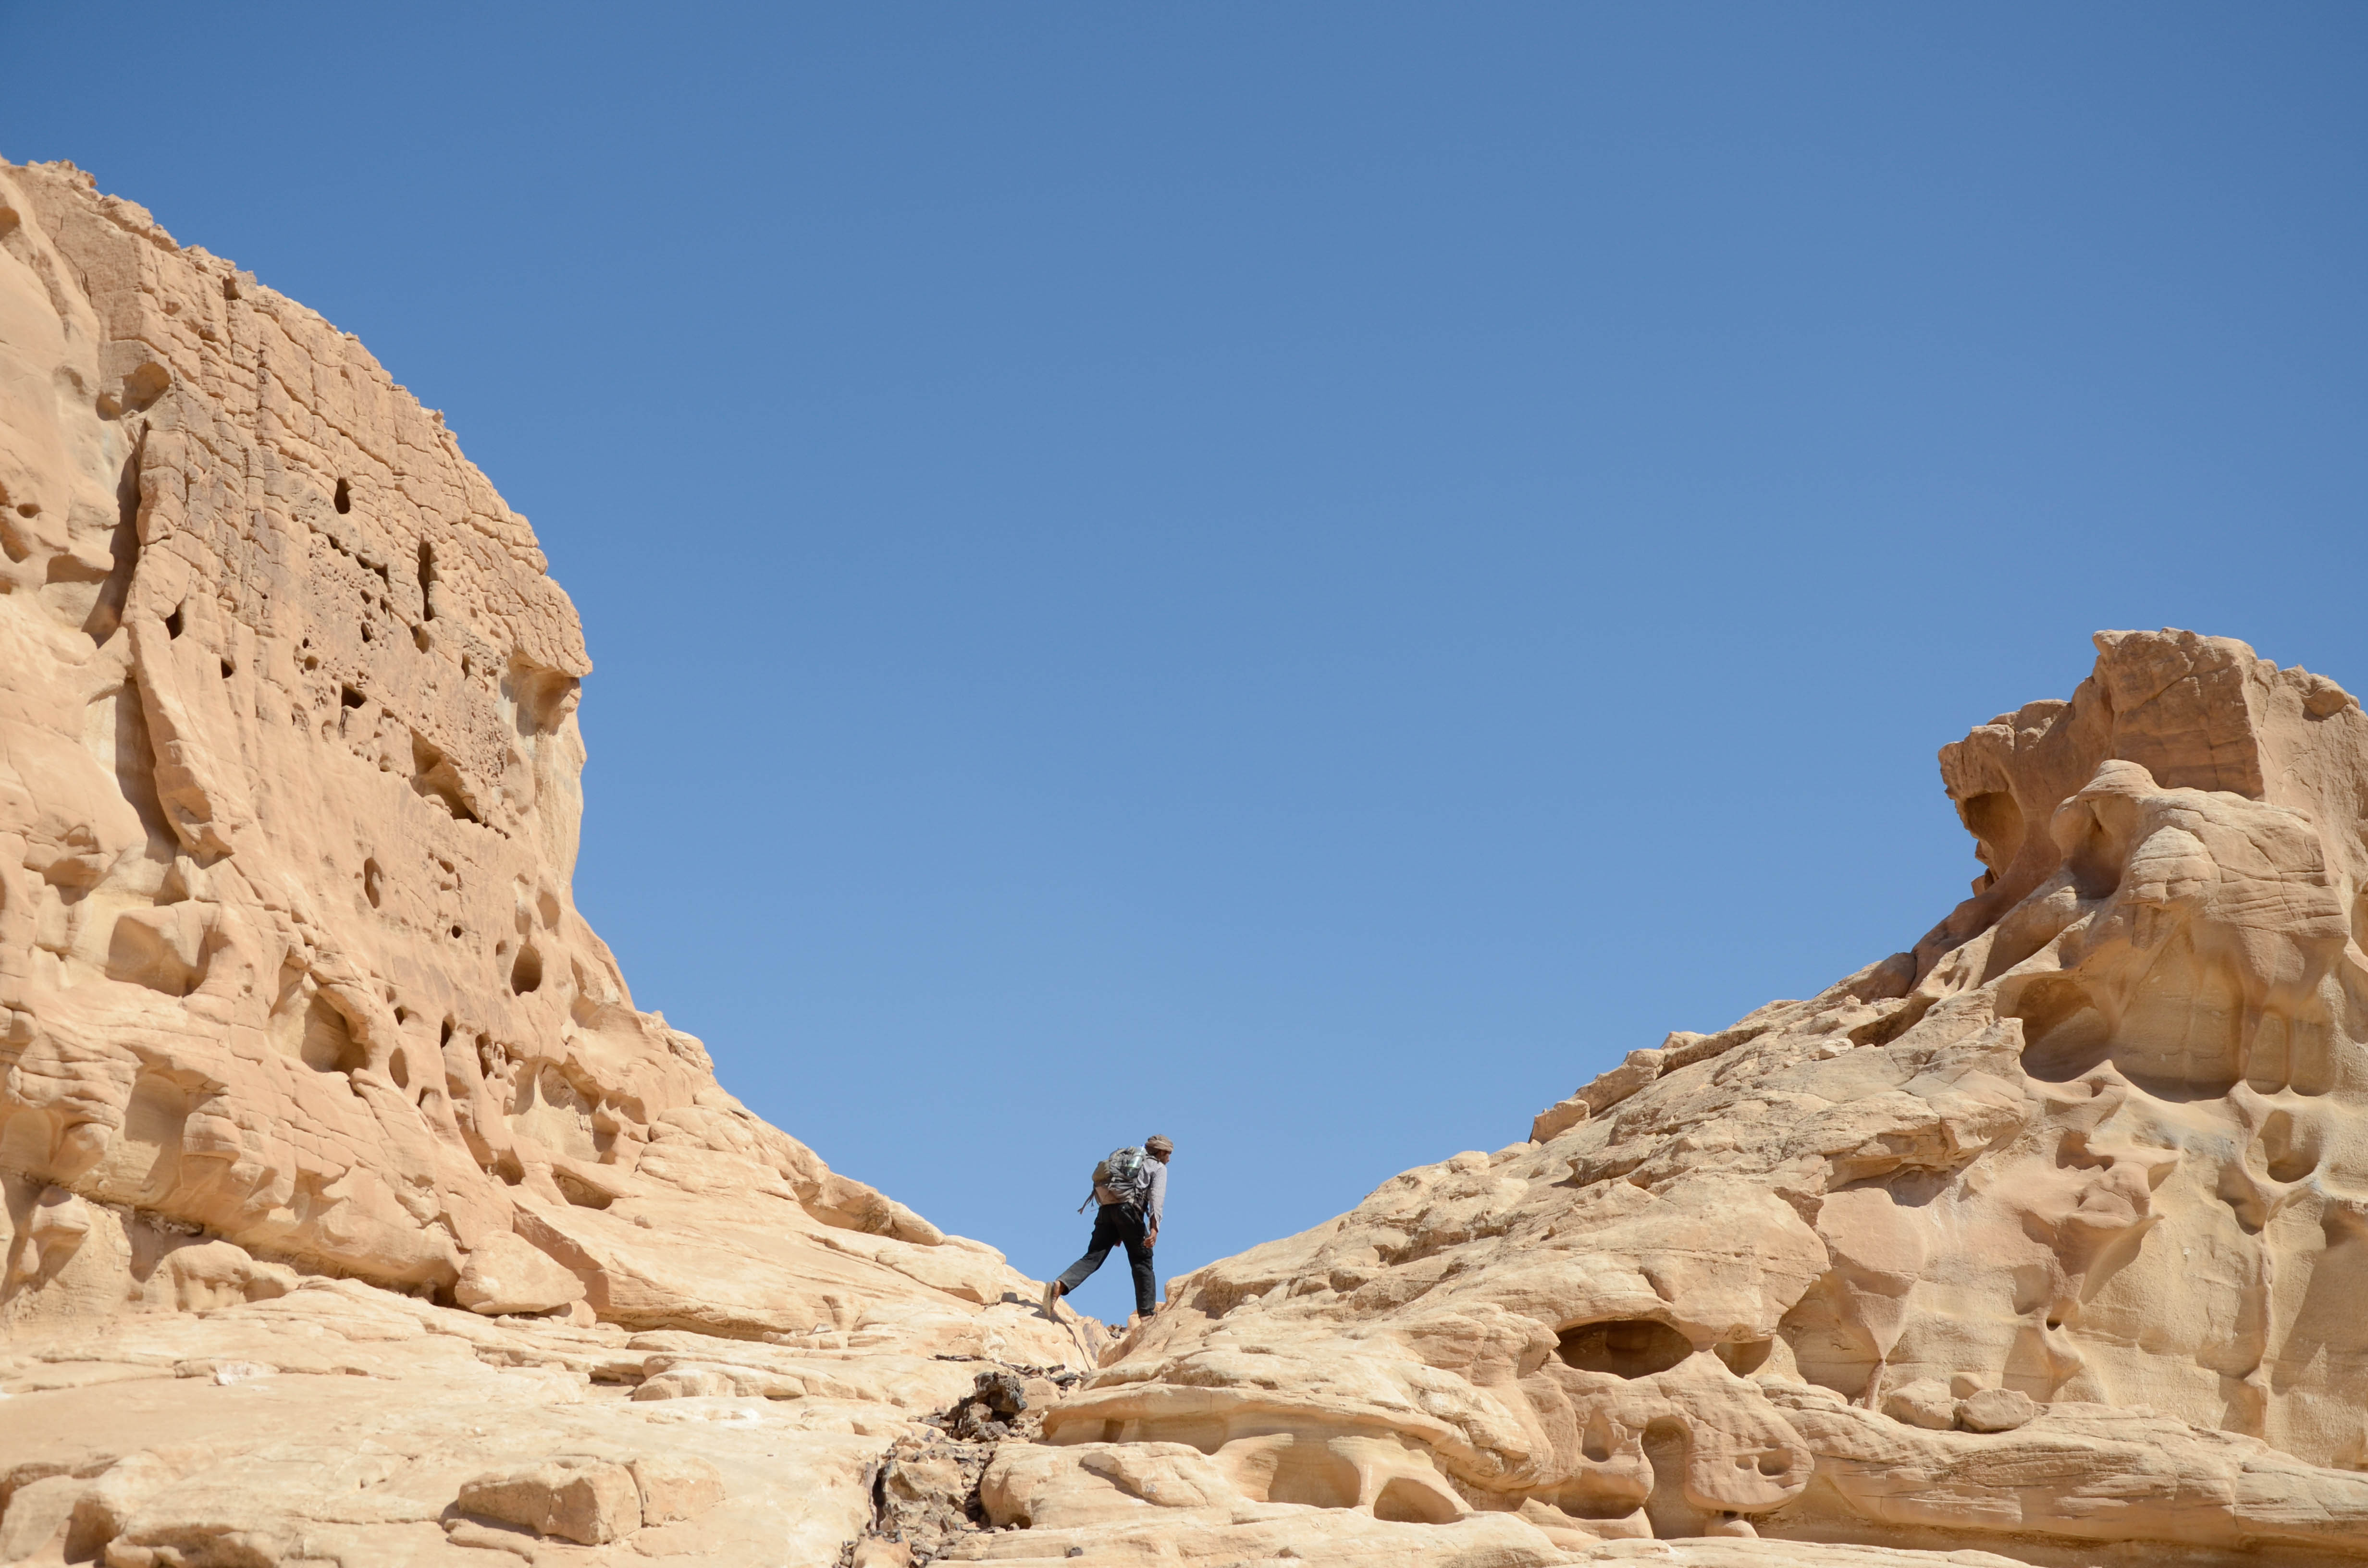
[
  {"x": 1105, "y": 1235},
  {"x": 1138, "y": 1255}
]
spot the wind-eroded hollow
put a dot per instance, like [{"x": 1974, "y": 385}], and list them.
[{"x": 1626, "y": 1348}]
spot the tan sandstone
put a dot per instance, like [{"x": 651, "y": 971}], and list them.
[
  {"x": 2044, "y": 1237},
  {"x": 353, "y": 1213},
  {"x": 313, "y": 1080}
]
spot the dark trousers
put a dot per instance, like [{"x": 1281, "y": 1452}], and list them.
[{"x": 1114, "y": 1225}]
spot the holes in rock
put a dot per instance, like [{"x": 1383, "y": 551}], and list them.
[
  {"x": 2285, "y": 1150},
  {"x": 2094, "y": 854},
  {"x": 328, "y": 1043},
  {"x": 1829, "y": 1347},
  {"x": 373, "y": 881},
  {"x": 228, "y": 669},
  {"x": 2063, "y": 1034},
  {"x": 144, "y": 386},
  {"x": 1744, "y": 1356},
  {"x": 1407, "y": 1501},
  {"x": 311, "y": 662},
  {"x": 1996, "y": 822},
  {"x": 456, "y": 933},
  {"x": 398, "y": 1067},
  {"x": 140, "y": 1165},
  {"x": 1595, "y": 1442},
  {"x": 427, "y": 581},
  {"x": 434, "y": 777},
  {"x": 149, "y": 948},
  {"x": 1626, "y": 1348},
  {"x": 578, "y": 1192},
  {"x": 419, "y": 639},
  {"x": 1304, "y": 1471},
  {"x": 543, "y": 698},
  {"x": 172, "y": 622},
  {"x": 1673, "y": 1514},
  {"x": 28, "y": 510},
  {"x": 526, "y": 974},
  {"x": 13, "y": 546},
  {"x": 348, "y": 697},
  {"x": 345, "y": 497},
  {"x": 444, "y": 1038}
]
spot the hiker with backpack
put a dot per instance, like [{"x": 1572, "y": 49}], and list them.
[{"x": 1131, "y": 1186}]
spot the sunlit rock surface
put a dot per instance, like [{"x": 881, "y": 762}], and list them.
[
  {"x": 355, "y": 1215},
  {"x": 339, "y": 1168},
  {"x": 2048, "y": 1237}
]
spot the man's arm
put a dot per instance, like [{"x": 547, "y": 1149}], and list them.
[{"x": 1158, "y": 1202}]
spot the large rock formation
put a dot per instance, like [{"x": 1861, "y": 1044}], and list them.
[
  {"x": 353, "y": 1213},
  {"x": 2049, "y": 1235},
  {"x": 298, "y": 1018}
]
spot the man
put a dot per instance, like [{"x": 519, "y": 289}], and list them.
[{"x": 1133, "y": 1223}]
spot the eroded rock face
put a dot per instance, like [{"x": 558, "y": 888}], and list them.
[
  {"x": 288, "y": 818},
  {"x": 2047, "y": 1233},
  {"x": 349, "y": 1209},
  {"x": 353, "y": 1214}
]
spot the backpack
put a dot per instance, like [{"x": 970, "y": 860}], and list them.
[{"x": 1123, "y": 1175}]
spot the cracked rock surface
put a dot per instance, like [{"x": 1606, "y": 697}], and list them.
[
  {"x": 349, "y": 1209},
  {"x": 351, "y": 1212}
]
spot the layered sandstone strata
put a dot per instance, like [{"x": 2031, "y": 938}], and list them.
[
  {"x": 353, "y": 1214},
  {"x": 2049, "y": 1236},
  {"x": 300, "y": 1026}
]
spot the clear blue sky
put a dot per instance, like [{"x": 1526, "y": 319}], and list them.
[{"x": 1303, "y": 576}]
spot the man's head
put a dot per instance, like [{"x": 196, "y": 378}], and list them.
[{"x": 1158, "y": 1147}]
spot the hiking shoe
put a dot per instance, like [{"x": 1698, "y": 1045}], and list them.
[{"x": 1051, "y": 1299}]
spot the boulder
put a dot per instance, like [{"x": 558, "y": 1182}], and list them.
[
  {"x": 504, "y": 1274},
  {"x": 1995, "y": 1410},
  {"x": 675, "y": 1487},
  {"x": 585, "y": 1500}
]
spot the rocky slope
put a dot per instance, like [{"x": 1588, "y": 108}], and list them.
[
  {"x": 2046, "y": 1237},
  {"x": 353, "y": 1214},
  {"x": 334, "y": 1150}
]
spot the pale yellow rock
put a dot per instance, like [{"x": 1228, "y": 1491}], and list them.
[
  {"x": 674, "y": 1486},
  {"x": 585, "y": 1500},
  {"x": 505, "y": 1275},
  {"x": 305, "y": 1047},
  {"x": 1995, "y": 1410},
  {"x": 37, "y": 1515},
  {"x": 1925, "y": 1403},
  {"x": 2039, "y": 1236},
  {"x": 2043, "y": 1236}
]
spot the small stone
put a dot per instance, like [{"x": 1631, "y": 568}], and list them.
[
  {"x": 37, "y": 1515},
  {"x": 1925, "y": 1403},
  {"x": 1001, "y": 1393},
  {"x": 1995, "y": 1410},
  {"x": 589, "y": 1501},
  {"x": 506, "y": 1274}
]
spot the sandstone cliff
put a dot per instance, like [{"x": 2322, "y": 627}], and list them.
[
  {"x": 2047, "y": 1236},
  {"x": 296, "y": 1007},
  {"x": 353, "y": 1214}
]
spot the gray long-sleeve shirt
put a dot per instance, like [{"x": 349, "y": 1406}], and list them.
[{"x": 1157, "y": 1202}]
